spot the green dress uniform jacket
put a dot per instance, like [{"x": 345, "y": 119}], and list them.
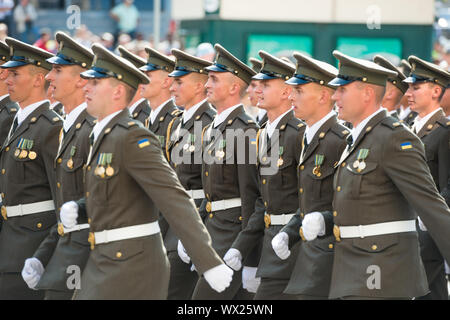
[
  {"x": 394, "y": 184},
  {"x": 142, "y": 111},
  {"x": 8, "y": 110},
  {"x": 279, "y": 194},
  {"x": 59, "y": 250},
  {"x": 139, "y": 180},
  {"x": 312, "y": 272},
  {"x": 28, "y": 175}
]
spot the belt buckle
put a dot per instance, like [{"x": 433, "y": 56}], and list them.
[
  {"x": 337, "y": 233},
  {"x": 208, "y": 206},
  {"x": 91, "y": 240},
  {"x": 61, "y": 229},
  {"x": 267, "y": 220},
  {"x": 4, "y": 213}
]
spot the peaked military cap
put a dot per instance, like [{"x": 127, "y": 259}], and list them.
[
  {"x": 424, "y": 71},
  {"x": 108, "y": 65},
  {"x": 226, "y": 62},
  {"x": 273, "y": 68},
  {"x": 71, "y": 52},
  {"x": 4, "y": 52},
  {"x": 256, "y": 64},
  {"x": 186, "y": 64},
  {"x": 22, "y": 54},
  {"x": 133, "y": 58},
  {"x": 157, "y": 61},
  {"x": 354, "y": 69},
  {"x": 398, "y": 79},
  {"x": 405, "y": 67},
  {"x": 312, "y": 70}
]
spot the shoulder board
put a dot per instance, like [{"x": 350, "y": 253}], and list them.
[
  {"x": 392, "y": 123},
  {"x": 210, "y": 112},
  {"x": 444, "y": 122},
  {"x": 91, "y": 120},
  {"x": 52, "y": 116},
  {"x": 340, "y": 130},
  {"x": 246, "y": 119},
  {"x": 296, "y": 123},
  {"x": 12, "y": 108},
  {"x": 128, "y": 123}
]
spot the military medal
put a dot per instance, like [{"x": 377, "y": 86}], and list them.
[
  {"x": 186, "y": 147},
  {"x": 32, "y": 155},
  {"x": 19, "y": 148},
  {"x": 356, "y": 164},
  {"x": 109, "y": 170},
  {"x": 16, "y": 153},
  {"x": 192, "y": 141},
  {"x": 318, "y": 161},
  {"x": 100, "y": 170},
  {"x": 220, "y": 153},
  {"x": 60, "y": 229},
  {"x": 70, "y": 161},
  {"x": 280, "y": 159},
  {"x": 362, "y": 155},
  {"x": 23, "y": 154}
]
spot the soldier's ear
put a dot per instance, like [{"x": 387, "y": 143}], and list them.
[{"x": 81, "y": 83}]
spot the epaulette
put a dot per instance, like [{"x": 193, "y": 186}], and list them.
[
  {"x": 340, "y": 130},
  {"x": 211, "y": 113},
  {"x": 392, "y": 123},
  {"x": 12, "y": 108},
  {"x": 126, "y": 123},
  {"x": 91, "y": 120},
  {"x": 245, "y": 118},
  {"x": 52, "y": 116},
  {"x": 296, "y": 123},
  {"x": 444, "y": 122}
]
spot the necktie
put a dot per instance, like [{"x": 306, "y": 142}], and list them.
[
  {"x": 91, "y": 139},
  {"x": 350, "y": 141},
  {"x": 305, "y": 142},
  {"x": 15, "y": 125}
]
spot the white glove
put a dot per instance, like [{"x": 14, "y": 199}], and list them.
[
  {"x": 421, "y": 225},
  {"x": 182, "y": 253},
  {"x": 280, "y": 244},
  {"x": 249, "y": 280},
  {"x": 219, "y": 277},
  {"x": 313, "y": 225},
  {"x": 32, "y": 272},
  {"x": 69, "y": 214},
  {"x": 233, "y": 258}
]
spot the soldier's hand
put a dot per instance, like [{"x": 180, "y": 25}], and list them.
[
  {"x": 182, "y": 253},
  {"x": 219, "y": 278},
  {"x": 233, "y": 259},
  {"x": 69, "y": 214},
  {"x": 32, "y": 272},
  {"x": 249, "y": 280},
  {"x": 313, "y": 225},
  {"x": 280, "y": 244},
  {"x": 421, "y": 225}
]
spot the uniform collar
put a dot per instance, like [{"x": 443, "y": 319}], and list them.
[
  {"x": 224, "y": 115},
  {"x": 101, "y": 124},
  {"x": 189, "y": 113},
  {"x": 271, "y": 126},
  {"x": 310, "y": 132},
  {"x": 420, "y": 122},
  {"x": 73, "y": 115},
  {"x": 357, "y": 131},
  {"x": 23, "y": 113},
  {"x": 134, "y": 106},
  {"x": 154, "y": 113}
]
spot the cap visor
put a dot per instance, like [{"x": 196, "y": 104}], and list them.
[
  {"x": 58, "y": 60},
  {"x": 410, "y": 80},
  {"x": 296, "y": 81},
  {"x": 215, "y": 68},
  {"x": 337, "y": 82},
  {"x": 263, "y": 76},
  {"x": 92, "y": 74},
  {"x": 178, "y": 73},
  {"x": 147, "y": 68},
  {"x": 13, "y": 64}
]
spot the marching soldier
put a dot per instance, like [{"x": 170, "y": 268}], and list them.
[
  {"x": 157, "y": 92},
  {"x": 27, "y": 168},
  {"x": 279, "y": 145},
  {"x": 8, "y": 108},
  {"x": 139, "y": 106},
  {"x": 66, "y": 247},
  {"x": 427, "y": 84},
  {"x": 183, "y": 149},
  {"x": 382, "y": 179},
  {"x": 229, "y": 177},
  {"x": 406, "y": 115},
  {"x": 395, "y": 87},
  {"x": 323, "y": 143},
  {"x": 127, "y": 178}
]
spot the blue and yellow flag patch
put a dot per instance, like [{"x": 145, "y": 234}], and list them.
[
  {"x": 143, "y": 143},
  {"x": 406, "y": 145}
]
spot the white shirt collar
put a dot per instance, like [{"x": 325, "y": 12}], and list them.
[
  {"x": 101, "y": 124},
  {"x": 310, "y": 132},
  {"x": 154, "y": 113},
  {"x": 420, "y": 122},
  {"x": 23, "y": 113},
  {"x": 73, "y": 115},
  {"x": 189, "y": 113},
  {"x": 404, "y": 112},
  {"x": 261, "y": 114},
  {"x": 224, "y": 115},
  {"x": 357, "y": 131},
  {"x": 133, "y": 107},
  {"x": 271, "y": 126}
]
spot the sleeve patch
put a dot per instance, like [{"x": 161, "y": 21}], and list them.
[
  {"x": 143, "y": 143},
  {"x": 406, "y": 145}
]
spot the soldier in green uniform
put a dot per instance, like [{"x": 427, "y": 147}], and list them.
[
  {"x": 323, "y": 143},
  {"x": 279, "y": 146},
  {"x": 382, "y": 180},
  {"x": 427, "y": 84},
  {"x": 184, "y": 151},
  {"x": 406, "y": 115},
  {"x": 229, "y": 176},
  {"x": 127, "y": 179},
  {"x": 261, "y": 117},
  {"x": 8, "y": 108},
  {"x": 395, "y": 87},
  {"x": 64, "y": 248},
  {"x": 27, "y": 167},
  {"x": 158, "y": 94},
  {"x": 139, "y": 107}
]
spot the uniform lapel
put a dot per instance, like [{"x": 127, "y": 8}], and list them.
[
  {"x": 162, "y": 115},
  {"x": 431, "y": 124},
  {"x": 317, "y": 137},
  {"x": 69, "y": 136},
  {"x": 140, "y": 108}
]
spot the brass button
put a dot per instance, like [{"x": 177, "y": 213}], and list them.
[
  {"x": 265, "y": 204},
  {"x": 39, "y": 225},
  {"x": 301, "y": 190},
  {"x": 343, "y": 164},
  {"x": 206, "y": 173},
  {"x": 330, "y": 246},
  {"x": 302, "y": 214},
  {"x": 87, "y": 194},
  {"x": 240, "y": 218},
  {"x": 374, "y": 247},
  {"x": 302, "y": 167},
  {"x": 211, "y": 215},
  {"x": 89, "y": 220},
  {"x": 119, "y": 254},
  {"x": 264, "y": 159},
  {"x": 3, "y": 171},
  {"x": 264, "y": 181},
  {"x": 58, "y": 185},
  {"x": 338, "y": 189},
  {"x": 7, "y": 149},
  {"x": 334, "y": 213},
  {"x": 59, "y": 160},
  {"x": 89, "y": 168}
]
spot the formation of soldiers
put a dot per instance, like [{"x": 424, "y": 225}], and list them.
[{"x": 154, "y": 182}]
